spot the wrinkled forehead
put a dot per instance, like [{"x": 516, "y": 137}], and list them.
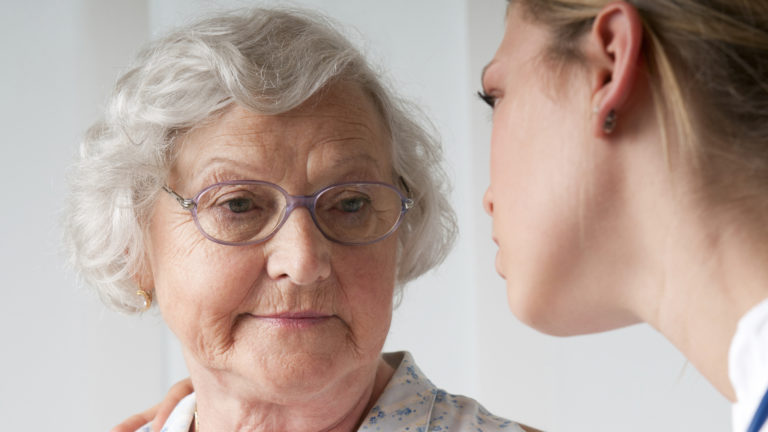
[{"x": 339, "y": 131}]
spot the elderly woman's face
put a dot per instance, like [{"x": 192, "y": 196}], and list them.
[{"x": 297, "y": 313}]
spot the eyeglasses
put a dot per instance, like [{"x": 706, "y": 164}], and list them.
[{"x": 247, "y": 212}]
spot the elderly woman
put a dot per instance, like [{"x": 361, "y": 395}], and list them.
[{"x": 255, "y": 180}]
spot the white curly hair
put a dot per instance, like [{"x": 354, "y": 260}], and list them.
[{"x": 269, "y": 61}]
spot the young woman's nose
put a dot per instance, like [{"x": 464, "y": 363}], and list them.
[{"x": 488, "y": 201}]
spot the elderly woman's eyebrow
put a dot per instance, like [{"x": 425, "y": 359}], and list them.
[
  {"x": 220, "y": 164},
  {"x": 356, "y": 158},
  {"x": 208, "y": 171},
  {"x": 339, "y": 159},
  {"x": 223, "y": 168}
]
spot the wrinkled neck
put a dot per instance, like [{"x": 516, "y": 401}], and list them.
[{"x": 339, "y": 408}]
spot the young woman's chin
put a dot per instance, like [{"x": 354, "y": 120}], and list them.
[{"x": 537, "y": 308}]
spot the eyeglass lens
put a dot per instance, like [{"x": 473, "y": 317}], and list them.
[{"x": 348, "y": 213}]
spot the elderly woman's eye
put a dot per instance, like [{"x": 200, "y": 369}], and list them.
[
  {"x": 350, "y": 205},
  {"x": 240, "y": 205}
]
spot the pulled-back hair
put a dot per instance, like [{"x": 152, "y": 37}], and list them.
[
  {"x": 269, "y": 61},
  {"x": 708, "y": 65}
]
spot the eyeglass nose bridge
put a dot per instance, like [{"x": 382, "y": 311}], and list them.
[{"x": 292, "y": 202}]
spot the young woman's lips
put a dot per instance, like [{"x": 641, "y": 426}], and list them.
[
  {"x": 498, "y": 259},
  {"x": 499, "y": 266},
  {"x": 297, "y": 320}
]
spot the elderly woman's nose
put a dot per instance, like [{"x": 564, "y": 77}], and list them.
[
  {"x": 488, "y": 201},
  {"x": 299, "y": 251}
]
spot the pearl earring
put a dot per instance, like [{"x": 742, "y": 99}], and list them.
[{"x": 147, "y": 296}]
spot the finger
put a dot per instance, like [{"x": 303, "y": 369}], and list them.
[
  {"x": 176, "y": 393},
  {"x": 136, "y": 421}
]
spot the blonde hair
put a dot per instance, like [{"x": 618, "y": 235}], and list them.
[{"x": 708, "y": 65}]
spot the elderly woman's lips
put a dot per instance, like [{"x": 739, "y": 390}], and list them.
[{"x": 294, "y": 319}]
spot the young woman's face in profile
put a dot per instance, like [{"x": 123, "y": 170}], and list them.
[{"x": 549, "y": 192}]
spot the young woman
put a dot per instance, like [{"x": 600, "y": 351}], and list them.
[{"x": 629, "y": 176}]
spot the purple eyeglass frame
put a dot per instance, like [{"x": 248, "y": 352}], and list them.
[{"x": 291, "y": 203}]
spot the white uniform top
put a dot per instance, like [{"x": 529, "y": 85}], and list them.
[{"x": 748, "y": 365}]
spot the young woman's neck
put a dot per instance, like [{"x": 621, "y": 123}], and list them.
[{"x": 711, "y": 272}]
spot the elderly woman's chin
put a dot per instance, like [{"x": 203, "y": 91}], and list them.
[{"x": 288, "y": 365}]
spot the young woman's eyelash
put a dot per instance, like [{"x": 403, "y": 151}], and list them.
[{"x": 485, "y": 97}]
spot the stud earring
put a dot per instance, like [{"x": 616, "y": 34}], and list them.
[
  {"x": 147, "y": 296},
  {"x": 610, "y": 122}
]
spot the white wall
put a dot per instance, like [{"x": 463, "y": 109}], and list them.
[
  {"x": 65, "y": 363},
  {"x": 87, "y": 367}
]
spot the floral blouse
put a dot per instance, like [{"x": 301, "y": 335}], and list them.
[{"x": 409, "y": 403}]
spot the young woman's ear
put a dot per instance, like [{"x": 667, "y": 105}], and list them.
[{"x": 613, "y": 50}]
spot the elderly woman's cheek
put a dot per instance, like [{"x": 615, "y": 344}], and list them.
[
  {"x": 199, "y": 284},
  {"x": 376, "y": 290},
  {"x": 173, "y": 237}
]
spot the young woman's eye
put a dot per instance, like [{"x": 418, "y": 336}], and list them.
[{"x": 489, "y": 99}]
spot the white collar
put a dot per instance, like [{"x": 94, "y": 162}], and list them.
[{"x": 748, "y": 364}]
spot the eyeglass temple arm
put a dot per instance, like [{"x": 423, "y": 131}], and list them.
[{"x": 184, "y": 202}]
